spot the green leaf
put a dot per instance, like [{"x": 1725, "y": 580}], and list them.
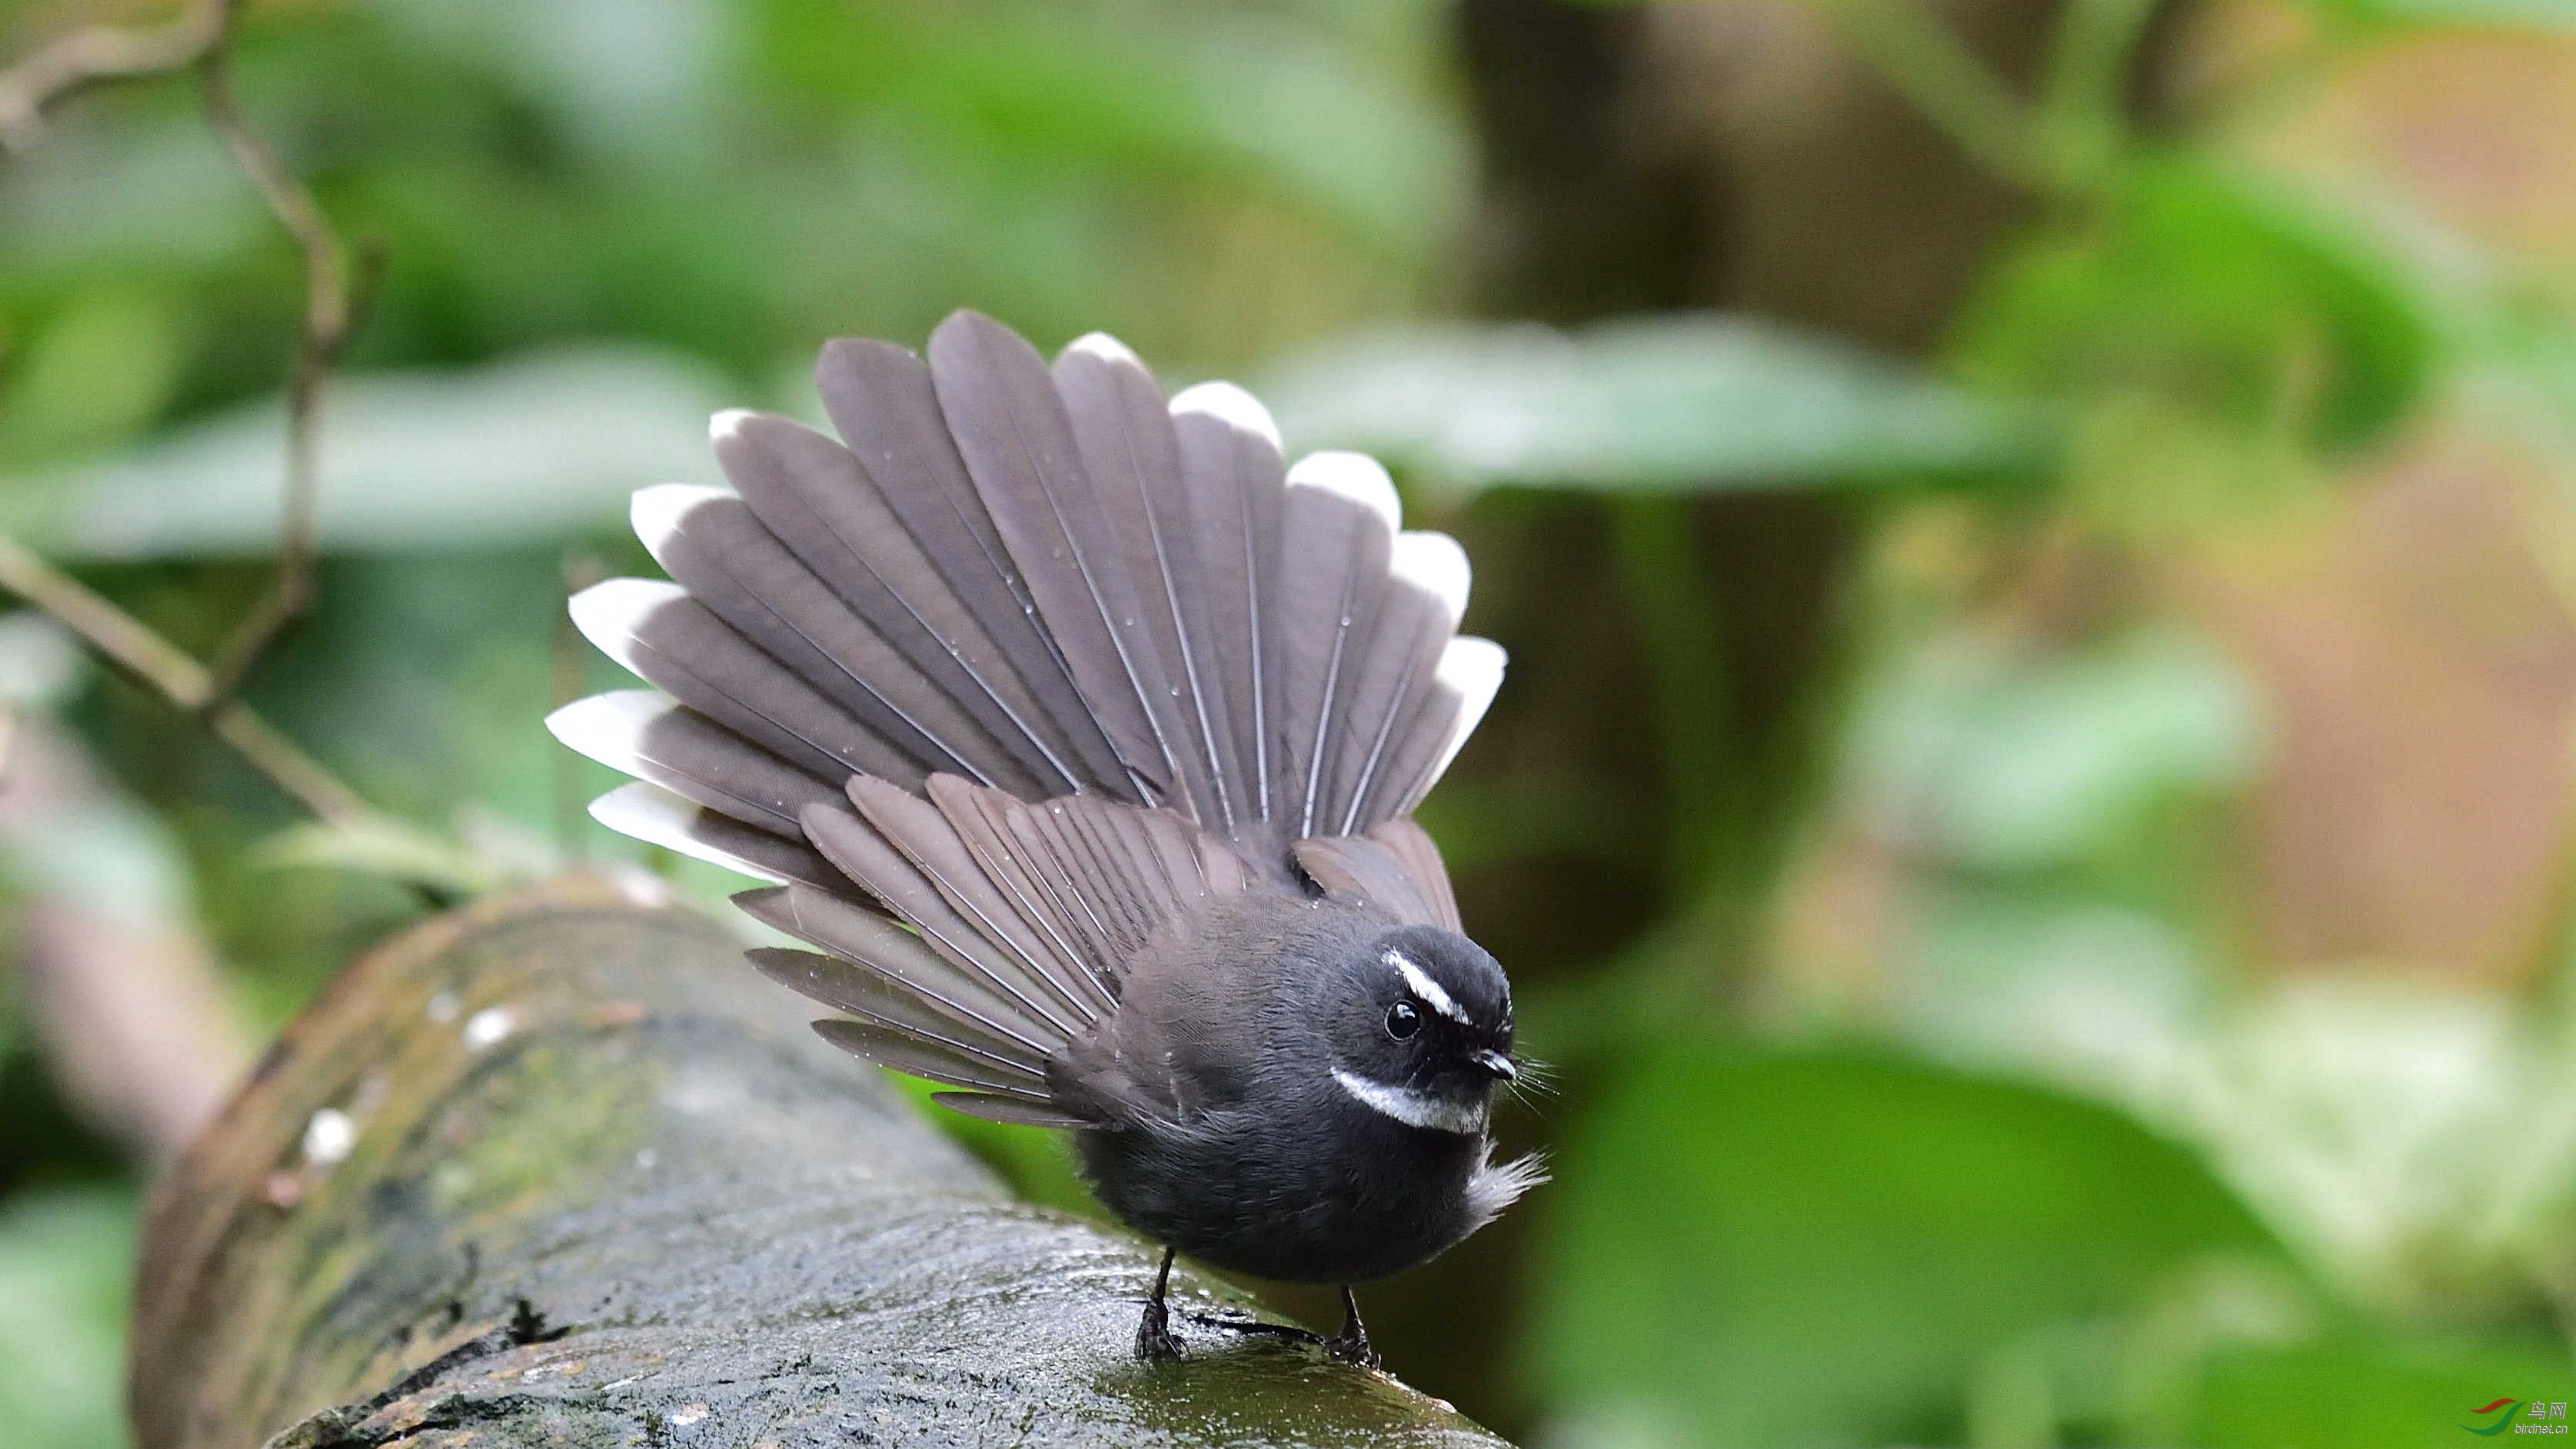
[
  {"x": 2556, "y": 15},
  {"x": 1175, "y": 95},
  {"x": 534, "y": 448},
  {"x": 1688, "y": 403},
  {"x": 384, "y": 847},
  {"x": 2226, "y": 294},
  {"x": 631, "y": 81},
  {"x": 2001, "y": 761},
  {"x": 1829, "y": 1247},
  {"x": 64, "y": 1258},
  {"x": 99, "y": 371},
  {"x": 2360, "y": 1390}
]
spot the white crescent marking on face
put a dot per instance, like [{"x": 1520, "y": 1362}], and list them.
[
  {"x": 1419, "y": 982},
  {"x": 1414, "y": 1108}
]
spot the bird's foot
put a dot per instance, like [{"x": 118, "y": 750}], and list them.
[
  {"x": 1154, "y": 1341},
  {"x": 1351, "y": 1345}
]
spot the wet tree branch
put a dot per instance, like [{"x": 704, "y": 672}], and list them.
[{"x": 559, "y": 1170}]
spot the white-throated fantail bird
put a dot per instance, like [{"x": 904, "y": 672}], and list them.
[{"x": 1081, "y": 738}]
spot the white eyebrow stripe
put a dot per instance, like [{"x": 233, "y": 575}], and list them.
[
  {"x": 1414, "y": 1108},
  {"x": 1419, "y": 982}
]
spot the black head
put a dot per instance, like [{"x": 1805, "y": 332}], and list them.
[{"x": 1422, "y": 1028}]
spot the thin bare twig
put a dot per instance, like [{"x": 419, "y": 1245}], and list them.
[
  {"x": 1949, "y": 84},
  {"x": 202, "y": 39},
  {"x": 2082, "y": 116},
  {"x": 327, "y": 319},
  {"x": 176, "y": 677},
  {"x": 85, "y": 58}
]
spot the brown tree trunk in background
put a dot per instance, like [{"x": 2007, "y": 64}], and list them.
[
  {"x": 1733, "y": 156},
  {"x": 563, "y": 1170},
  {"x": 1730, "y": 156},
  {"x": 125, "y": 998},
  {"x": 1653, "y": 158}
]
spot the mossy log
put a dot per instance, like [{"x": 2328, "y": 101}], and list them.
[{"x": 560, "y": 1169}]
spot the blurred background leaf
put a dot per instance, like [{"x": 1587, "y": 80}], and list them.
[
  {"x": 1669, "y": 404},
  {"x": 1875, "y": 1249},
  {"x": 2214, "y": 293},
  {"x": 539, "y": 447},
  {"x": 63, "y": 1270},
  {"x": 2537, "y": 14}
]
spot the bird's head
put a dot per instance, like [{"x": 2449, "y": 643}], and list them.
[{"x": 1422, "y": 1028}]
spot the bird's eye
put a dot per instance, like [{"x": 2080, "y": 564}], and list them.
[{"x": 1402, "y": 1020}]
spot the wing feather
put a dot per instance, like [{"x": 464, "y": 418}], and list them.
[
  {"x": 1395, "y": 868},
  {"x": 1010, "y": 1110},
  {"x": 959, "y": 987}
]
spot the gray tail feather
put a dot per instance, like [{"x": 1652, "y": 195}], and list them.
[{"x": 1048, "y": 581}]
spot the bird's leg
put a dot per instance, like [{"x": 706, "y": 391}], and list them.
[
  {"x": 1154, "y": 1341},
  {"x": 1351, "y": 1345}
]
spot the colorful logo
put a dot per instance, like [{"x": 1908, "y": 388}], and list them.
[
  {"x": 2503, "y": 1421},
  {"x": 2523, "y": 1416}
]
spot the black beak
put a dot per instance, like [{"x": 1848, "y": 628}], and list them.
[{"x": 1495, "y": 1064}]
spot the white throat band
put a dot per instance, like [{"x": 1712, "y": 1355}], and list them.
[{"x": 1414, "y": 1108}]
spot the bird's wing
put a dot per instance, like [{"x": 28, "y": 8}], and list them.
[
  {"x": 1395, "y": 868},
  {"x": 1023, "y": 916}
]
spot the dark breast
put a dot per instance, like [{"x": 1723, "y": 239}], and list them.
[
  {"x": 1273, "y": 1169},
  {"x": 1306, "y": 1187}
]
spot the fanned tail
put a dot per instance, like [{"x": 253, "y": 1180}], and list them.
[{"x": 1031, "y": 664}]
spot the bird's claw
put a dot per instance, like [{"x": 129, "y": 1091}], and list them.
[
  {"x": 1351, "y": 1346},
  {"x": 1154, "y": 1341}
]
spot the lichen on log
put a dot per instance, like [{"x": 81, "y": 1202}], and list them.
[{"x": 560, "y": 1169}]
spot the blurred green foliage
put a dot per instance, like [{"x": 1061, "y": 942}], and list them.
[
  {"x": 2211, "y": 292},
  {"x": 63, "y": 1253},
  {"x": 1929, "y": 1077},
  {"x": 1689, "y": 403}
]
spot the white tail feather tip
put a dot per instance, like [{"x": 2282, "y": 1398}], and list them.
[
  {"x": 647, "y": 812},
  {"x": 1433, "y": 562},
  {"x": 1473, "y": 668},
  {"x": 608, "y": 612},
  {"x": 1355, "y": 476},
  {"x": 1105, "y": 347},
  {"x": 606, "y": 727},
  {"x": 1229, "y": 404},
  {"x": 656, "y": 512}
]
